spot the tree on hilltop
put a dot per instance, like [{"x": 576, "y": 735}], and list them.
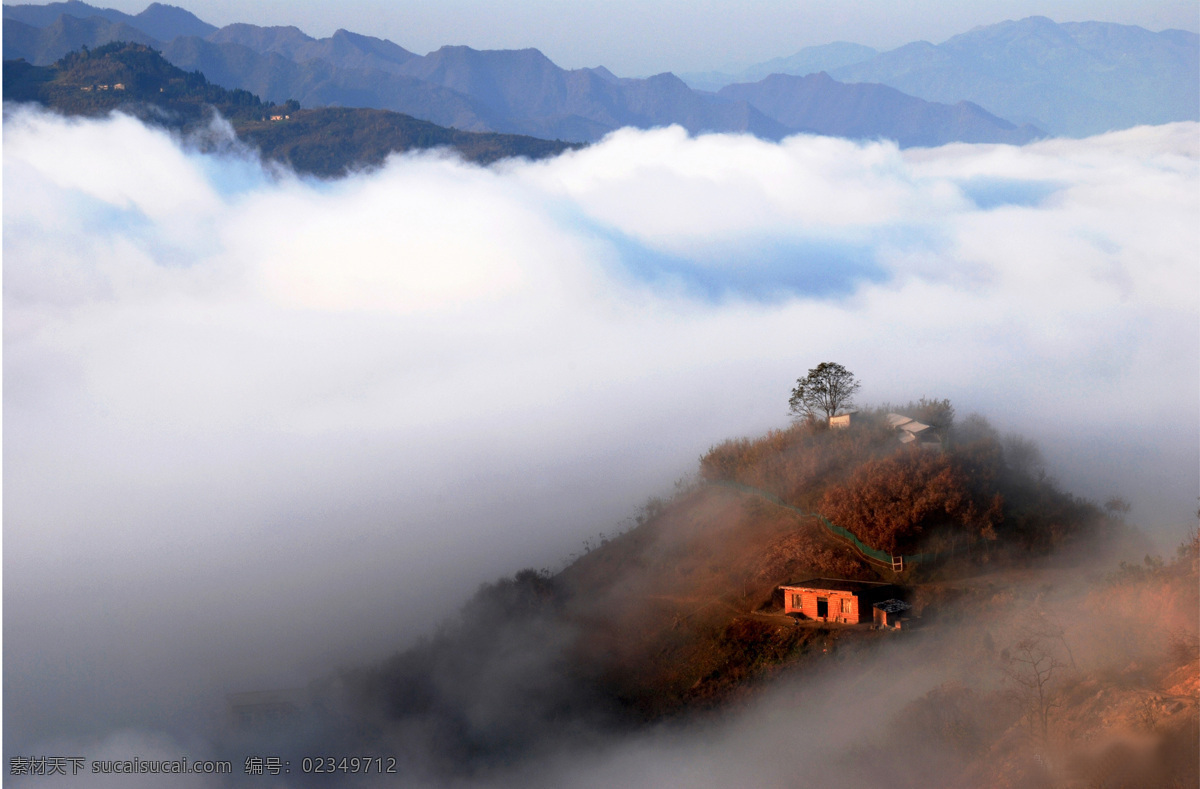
[{"x": 827, "y": 389}]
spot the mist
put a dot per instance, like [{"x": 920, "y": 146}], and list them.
[{"x": 258, "y": 427}]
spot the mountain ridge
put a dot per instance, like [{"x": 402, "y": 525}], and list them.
[
  {"x": 1073, "y": 79},
  {"x": 329, "y": 141},
  {"x": 1108, "y": 76},
  {"x": 522, "y": 91},
  {"x": 158, "y": 20},
  {"x": 808, "y": 60},
  {"x": 1068, "y": 78},
  {"x": 818, "y": 104}
]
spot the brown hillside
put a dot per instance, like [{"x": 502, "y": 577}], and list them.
[{"x": 679, "y": 608}]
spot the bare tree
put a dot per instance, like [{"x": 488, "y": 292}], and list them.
[
  {"x": 1046, "y": 624},
  {"x": 827, "y": 389},
  {"x": 1031, "y": 666}
]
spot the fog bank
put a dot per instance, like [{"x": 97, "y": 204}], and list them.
[{"x": 257, "y": 426}]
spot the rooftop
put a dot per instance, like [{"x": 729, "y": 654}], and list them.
[{"x": 909, "y": 424}]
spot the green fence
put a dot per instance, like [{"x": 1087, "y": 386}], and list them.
[{"x": 867, "y": 551}]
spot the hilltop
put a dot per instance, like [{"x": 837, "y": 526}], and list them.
[
  {"x": 136, "y": 79},
  {"x": 684, "y": 608},
  {"x": 130, "y": 77}
]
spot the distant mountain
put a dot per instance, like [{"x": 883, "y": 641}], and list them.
[
  {"x": 166, "y": 22},
  {"x": 666, "y": 99},
  {"x": 343, "y": 49},
  {"x": 525, "y": 91},
  {"x": 316, "y": 82},
  {"x": 1077, "y": 78},
  {"x": 135, "y": 79},
  {"x": 264, "y": 40},
  {"x": 65, "y": 33},
  {"x": 1074, "y": 78},
  {"x": 819, "y": 104},
  {"x": 161, "y": 22},
  {"x": 43, "y": 15},
  {"x": 354, "y": 51},
  {"x": 511, "y": 91},
  {"x": 809, "y": 60}
]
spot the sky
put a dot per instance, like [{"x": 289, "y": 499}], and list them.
[
  {"x": 257, "y": 427},
  {"x": 643, "y": 37}
]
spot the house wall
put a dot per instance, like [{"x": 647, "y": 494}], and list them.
[{"x": 808, "y": 604}]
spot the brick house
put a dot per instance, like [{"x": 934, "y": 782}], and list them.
[{"x": 835, "y": 599}]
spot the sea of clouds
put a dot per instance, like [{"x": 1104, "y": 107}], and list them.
[{"x": 259, "y": 426}]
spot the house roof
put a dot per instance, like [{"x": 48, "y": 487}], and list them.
[
  {"x": 835, "y": 584},
  {"x": 906, "y": 423},
  {"x": 892, "y": 606}
]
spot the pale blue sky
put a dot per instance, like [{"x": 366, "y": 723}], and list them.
[{"x": 638, "y": 37}]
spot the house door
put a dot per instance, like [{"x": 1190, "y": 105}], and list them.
[{"x": 822, "y": 608}]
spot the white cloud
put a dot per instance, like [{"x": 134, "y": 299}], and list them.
[{"x": 245, "y": 414}]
